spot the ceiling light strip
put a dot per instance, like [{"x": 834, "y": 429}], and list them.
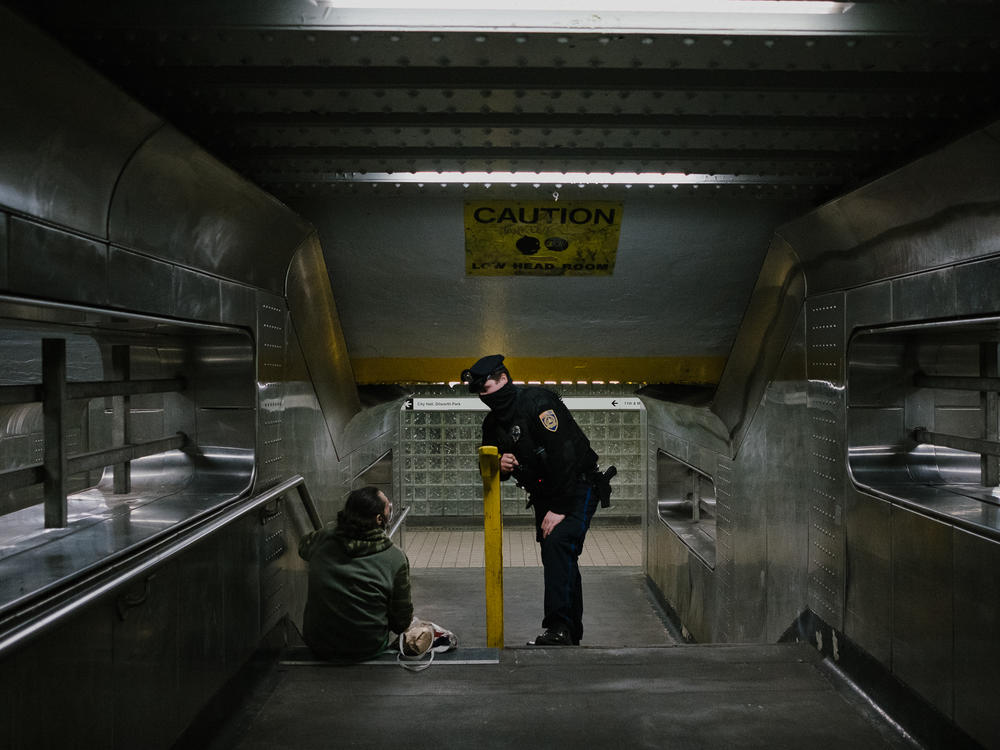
[
  {"x": 708, "y": 16},
  {"x": 626, "y": 6},
  {"x": 557, "y": 179}
]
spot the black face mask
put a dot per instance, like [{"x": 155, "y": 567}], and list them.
[{"x": 501, "y": 400}]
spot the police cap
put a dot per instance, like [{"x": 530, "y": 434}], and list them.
[{"x": 477, "y": 375}]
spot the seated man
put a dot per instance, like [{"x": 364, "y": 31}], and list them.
[{"x": 359, "y": 582}]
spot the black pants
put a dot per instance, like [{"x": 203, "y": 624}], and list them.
[{"x": 560, "y": 559}]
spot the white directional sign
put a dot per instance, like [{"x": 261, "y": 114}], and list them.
[{"x": 579, "y": 403}]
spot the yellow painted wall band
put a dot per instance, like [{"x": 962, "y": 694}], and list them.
[{"x": 685, "y": 370}]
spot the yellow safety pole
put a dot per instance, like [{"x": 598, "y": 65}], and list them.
[{"x": 489, "y": 468}]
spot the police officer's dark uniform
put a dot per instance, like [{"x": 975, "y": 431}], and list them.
[{"x": 558, "y": 469}]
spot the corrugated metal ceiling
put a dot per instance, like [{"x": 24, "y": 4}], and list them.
[
  {"x": 766, "y": 118},
  {"x": 299, "y": 96}
]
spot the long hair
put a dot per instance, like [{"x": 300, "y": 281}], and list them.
[{"x": 360, "y": 512}]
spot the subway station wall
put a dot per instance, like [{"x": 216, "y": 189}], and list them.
[
  {"x": 907, "y": 573},
  {"x": 681, "y": 277},
  {"x": 110, "y": 219}
]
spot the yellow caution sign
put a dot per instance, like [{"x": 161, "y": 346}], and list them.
[{"x": 539, "y": 238}]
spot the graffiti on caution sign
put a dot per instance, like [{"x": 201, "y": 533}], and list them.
[{"x": 534, "y": 238}]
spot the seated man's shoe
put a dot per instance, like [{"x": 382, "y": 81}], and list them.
[{"x": 553, "y": 637}]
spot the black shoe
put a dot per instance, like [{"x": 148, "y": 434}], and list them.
[{"x": 553, "y": 637}]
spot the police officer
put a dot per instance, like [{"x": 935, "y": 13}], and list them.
[{"x": 543, "y": 448}]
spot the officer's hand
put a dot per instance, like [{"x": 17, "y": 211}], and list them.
[
  {"x": 507, "y": 463},
  {"x": 550, "y": 521}
]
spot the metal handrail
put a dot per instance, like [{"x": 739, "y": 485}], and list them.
[
  {"x": 46, "y": 614},
  {"x": 957, "y": 382},
  {"x": 32, "y": 392},
  {"x": 398, "y": 521},
  {"x": 35, "y": 474},
  {"x": 958, "y": 442}
]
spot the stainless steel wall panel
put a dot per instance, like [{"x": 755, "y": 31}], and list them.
[
  {"x": 271, "y": 335},
  {"x": 4, "y": 250},
  {"x": 684, "y": 580},
  {"x": 132, "y": 670},
  {"x": 275, "y": 460},
  {"x": 818, "y": 234},
  {"x": 725, "y": 531},
  {"x": 867, "y": 305},
  {"x": 374, "y": 434},
  {"x": 977, "y": 287},
  {"x": 9, "y": 681},
  {"x": 650, "y": 521},
  {"x": 306, "y": 436},
  {"x": 316, "y": 323},
  {"x": 702, "y": 600},
  {"x": 197, "y": 295},
  {"x": 223, "y": 368},
  {"x": 868, "y": 590},
  {"x": 177, "y": 203},
  {"x": 675, "y": 446},
  {"x": 147, "y": 418},
  {"x": 912, "y": 295},
  {"x": 51, "y": 264},
  {"x": 673, "y": 577},
  {"x": 875, "y": 435},
  {"x": 787, "y": 494},
  {"x": 977, "y": 648},
  {"x": 748, "y": 516},
  {"x": 141, "y": 284},
  {"x": 768, "y": 322},
  {"x": 145, "y": 661},
  {"x": 682, "y": 426},
  {"x": 704, "y": 459},
  {"x": 276, "y": 546},
  {"x": 916, "y": 593},
  {"x": 59, "y": 691},
  {"x": 959, "y": 420},
  {"x": 232, "y": 428},
  {"x": 922, "y": 614},
  {"x": 188, "y": 239},
  {"x": 940, "y": 210},
  {"x": 201, "y": 623},
  {"x": 67, "y": 133},
  {"x": 240, "y": 549},
  {"x": 825, "y": 342},
  {"x": 238, "y": 303}
]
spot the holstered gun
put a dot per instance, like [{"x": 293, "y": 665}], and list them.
[{"x": 602, "y": 483}]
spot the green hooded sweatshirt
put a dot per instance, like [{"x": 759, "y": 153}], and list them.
[{"x": 359, "y": 593}]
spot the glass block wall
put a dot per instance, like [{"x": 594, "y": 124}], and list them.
[{"x": 439, "y": 465}]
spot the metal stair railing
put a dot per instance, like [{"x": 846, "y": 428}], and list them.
[{"x": 49, "y": 611}]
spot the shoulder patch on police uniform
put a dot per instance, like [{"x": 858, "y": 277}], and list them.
[{"x": 549, "y": 420}]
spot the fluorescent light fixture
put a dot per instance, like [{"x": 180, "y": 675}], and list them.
[
  {"x": 582, "y": 6},
  {"x": 626, "y": 17},
  {"x": 560, "y": 179}
]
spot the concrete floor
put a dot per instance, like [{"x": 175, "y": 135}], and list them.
[
  {"x": 606, "y": 546},
  {"x": 618, "y": 609},
  {"x": 629, "y": 686},
  {"x": 705, "y": 697}
]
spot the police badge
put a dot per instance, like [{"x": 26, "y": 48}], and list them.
[{"x": 549, "y": 420}]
